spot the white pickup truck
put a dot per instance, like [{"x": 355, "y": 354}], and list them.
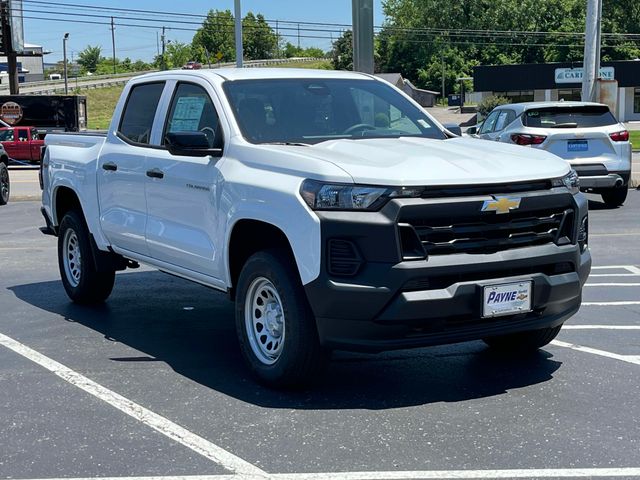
[{"x": 331, "y": 208}]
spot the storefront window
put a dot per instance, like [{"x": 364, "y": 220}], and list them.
[
  {"x": 636, "y": 100},
  {"x": 570, "y": 94}
]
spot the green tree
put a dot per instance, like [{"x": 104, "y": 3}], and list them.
[
  {"x": 342, "y": 52},
  {"x": 258, "y": 38},
  {"x": 90, "y": 57},
  {"x": 216, "y": 36},
  {"x": 177, "y": 54}
]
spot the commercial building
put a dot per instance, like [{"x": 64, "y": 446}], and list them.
[
  {"x": 30, "y": 65},
  {"x": 556, "y": 81}
]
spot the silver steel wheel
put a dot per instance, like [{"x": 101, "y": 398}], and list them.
[
  {"x": 264, "y": 320},
  {"x": 71, "y": 257}
]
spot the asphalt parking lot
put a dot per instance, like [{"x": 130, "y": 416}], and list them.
[{"x": 152, "y": 385}]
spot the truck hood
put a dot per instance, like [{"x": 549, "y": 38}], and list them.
[{"x": 419, "y": 161}]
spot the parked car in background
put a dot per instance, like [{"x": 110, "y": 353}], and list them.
[
  {"x": 5, "y": 186},
  {"x": 22, "y": 143},
  {"x": 585, "y": 134},
  {"x": 192, "y": 66}
]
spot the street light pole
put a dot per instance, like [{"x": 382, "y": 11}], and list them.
[{"x": 64, "y": 66}]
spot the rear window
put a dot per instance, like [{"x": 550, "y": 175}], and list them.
[{"x": 569, "y": 117}]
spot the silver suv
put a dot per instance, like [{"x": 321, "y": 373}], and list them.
[{"x": 587, "y": 135}]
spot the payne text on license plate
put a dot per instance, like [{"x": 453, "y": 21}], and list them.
[
  {"x": 506, "y": 299},
  {"x": 577, "y": 146}
]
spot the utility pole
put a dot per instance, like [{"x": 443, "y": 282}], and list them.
[
  {"x": 238, "y": 19},
  {"x": 443, "y": 92},
  {"x": 591, "y": 65},
  {"x": 64, "y": 62},
  {"x": 363, "y": 35},
  {"x": 113, "y": 43},
  {"x": 298, "y": 36},
  {"x": 8, "y": 48},
  {"x": 163, "y": 63}
]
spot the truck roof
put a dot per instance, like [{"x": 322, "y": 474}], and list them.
[{"x": 260, "y": 73}]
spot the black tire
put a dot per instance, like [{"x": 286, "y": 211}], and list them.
[
  {"x": 82, "y": 282},
  {"x": 5, "y": 184},
  {"x": 524, "y": 342},
  {"x": 615, "y": 197},
  {"x": 301, "y": 358}
]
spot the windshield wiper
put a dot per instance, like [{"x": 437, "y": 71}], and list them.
[
  {"x": 295, "y": 144},
  {"x": 564, "y": 125}
]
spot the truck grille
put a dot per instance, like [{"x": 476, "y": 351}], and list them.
[{"x": 493, "y": 233}]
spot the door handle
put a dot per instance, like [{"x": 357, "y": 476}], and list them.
[
  {"x": 110, "y": 166},
  {"x": 155, "y": 173}
]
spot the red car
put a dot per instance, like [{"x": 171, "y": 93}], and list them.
[
  {"x": 192, "y": 66},
  {"x": 22, "y": 143}
]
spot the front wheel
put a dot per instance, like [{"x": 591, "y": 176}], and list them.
[
  {"x": 615, "y": 197},
  {"x": 528, "y": 341},
  {"x": 5, "y": 185},
  {"x": 274, "y": 322},
  {"x": 82, "y": 282}
]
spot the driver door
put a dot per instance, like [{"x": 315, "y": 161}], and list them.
[{"x": 183, "y": 191}]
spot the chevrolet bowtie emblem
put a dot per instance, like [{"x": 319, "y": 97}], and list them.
[{"x": 501, "y": 204}]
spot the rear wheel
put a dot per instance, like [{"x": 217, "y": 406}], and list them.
[
  {"x": 82, "y": 282},
  {"x": 528, "y": 341},
  {"x": 274, "y": 322},
  {"x": 615, "y": 197},
  {"x": 5, "y": 185}
]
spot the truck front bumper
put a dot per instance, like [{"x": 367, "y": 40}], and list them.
[{"x": 391, "y": 304}]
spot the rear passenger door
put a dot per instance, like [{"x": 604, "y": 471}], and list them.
[
  {"x": 121, "y": 170},
  {"x": 183, "y": 192}
]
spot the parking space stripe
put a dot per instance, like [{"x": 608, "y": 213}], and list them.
[
  {"x": 607, "y": 304},
  {"x": 633, "y": 269},
  {"x": 623, "y": 472},
  {"x": 612, "y": 284},
  {"x": 634, "y": 359},
  {"x": 608, "y": 267},
  {"x": 601, "y": 327},
  {"x": 159, "y": 423},
  {"x": 614, "y": 275}
]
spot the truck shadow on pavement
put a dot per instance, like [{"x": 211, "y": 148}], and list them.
[{"x": 191, "y": 329}]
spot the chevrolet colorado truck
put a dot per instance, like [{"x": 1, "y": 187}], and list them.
[{"x": 329, "y": 206}]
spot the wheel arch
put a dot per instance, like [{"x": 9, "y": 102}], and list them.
[{"x": 249, "y": 236}]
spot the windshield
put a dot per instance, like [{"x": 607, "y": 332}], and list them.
[
  {"x": 569, "y": 117},
  {"x": 312, "y": 111}
]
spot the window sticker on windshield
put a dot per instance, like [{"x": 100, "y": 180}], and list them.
[
  {"x": 187, "y": 113},
  {"x": 423, "y": 123}
]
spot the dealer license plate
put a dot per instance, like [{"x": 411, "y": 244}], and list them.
[
  {"x": 506, "y": 299},
  {"x": 577, "y": 145}
]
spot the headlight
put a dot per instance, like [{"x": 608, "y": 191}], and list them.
[
  {"x": 343, "y": 196},
  {"x": 570, "y": 180}
]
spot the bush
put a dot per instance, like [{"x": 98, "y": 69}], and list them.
[{"x": 489, "y": 103}]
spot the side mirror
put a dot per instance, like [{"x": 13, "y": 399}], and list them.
[
  {"x": 190, "y": 144},
  {"x": 472, "y": 131},
  {"x": 453, "y": 128}
]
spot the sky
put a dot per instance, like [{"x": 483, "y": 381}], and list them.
[{"x": 142, "y": 43}]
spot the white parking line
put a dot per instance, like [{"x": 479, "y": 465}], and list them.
[
  {"x": 635, "y": 359},
  {"x": 601, "y": 327},
  {"x": 159, "y": 423},
  {"x": 614, "y": 275},
  {"x": 612, "y": 284},
  {"x": 607, "y": 304},
  {"x": 627, "y": 472}
]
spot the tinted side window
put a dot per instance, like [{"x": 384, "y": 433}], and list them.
[
  {"x": 489, "y": 122},
  {"x": 505, "y": 118},
  {"x": 192, "y": 111},
  {"x": 137, "y": 118}
]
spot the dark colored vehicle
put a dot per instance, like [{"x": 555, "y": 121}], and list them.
[
  {"x": 22, "y": 143},
  {"x": 4, "y": 177},
  {"x": 46, "y": 113}
]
